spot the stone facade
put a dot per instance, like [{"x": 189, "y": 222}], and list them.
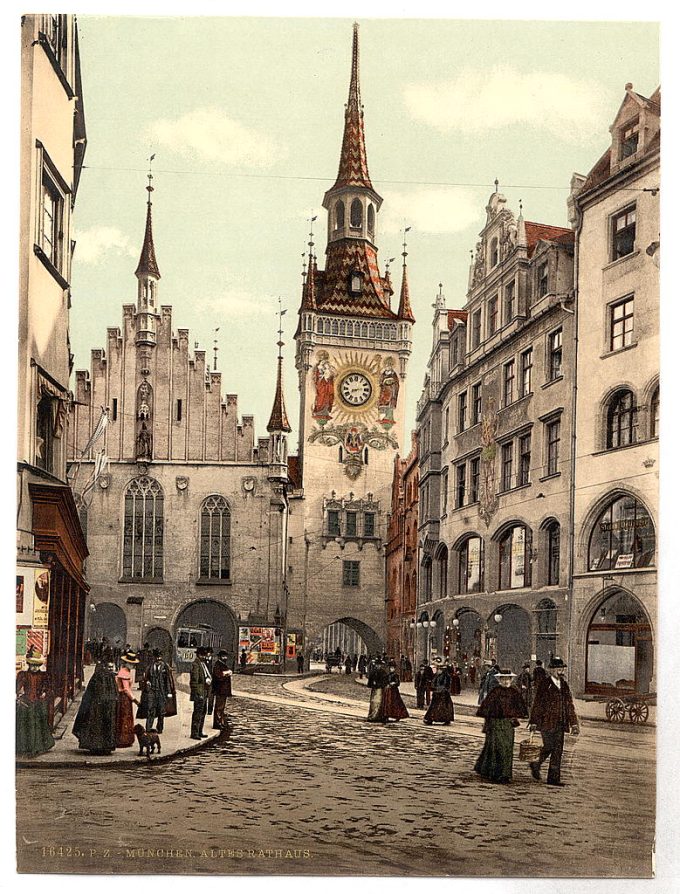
[
  {"x": 494, "y": 426},
  {"x": 616, "y": 212}
]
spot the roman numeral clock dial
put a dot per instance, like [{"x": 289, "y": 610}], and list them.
[{"x": 355, "y": 389}]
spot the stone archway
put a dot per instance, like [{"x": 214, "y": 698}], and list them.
[
  {"x": 351, "y": 632},
  {"x": 511, "y": 636},
  {"x": 217, "y": 624},
  {"x": 620, "y": 650},
  {"x": 108, "y": 620},
  {"x": 159, "y": 638},
  {"x": 468, "y": 645}
]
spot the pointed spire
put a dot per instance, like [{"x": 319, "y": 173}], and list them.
[
  {"x": 353, "y": 168},
  {"x": 278, "y": 420},
  {"x": 405, "y": 312},
  {"x": 148, "y": 266},
  {"x": 521, "y": 228}
]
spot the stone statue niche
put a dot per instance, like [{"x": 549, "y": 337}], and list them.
[{"x": 144, "y": 443}]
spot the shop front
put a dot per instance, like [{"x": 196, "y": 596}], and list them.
[{"x": 620, "y": 651}]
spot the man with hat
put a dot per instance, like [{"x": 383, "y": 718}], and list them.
[
  {"x": 33, "y": 735},
  {"x": 525, "y": 684},
  {"x": 423, "y": 684},
  {"x": 200, "y": 683},
  {"x": 221, "y": 687},
  {"x": 158, "y": 693},
  {"x": 552, "y": 713}
]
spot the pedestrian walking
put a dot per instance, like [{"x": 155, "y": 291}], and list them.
[
  {"x": 159, "y": 699},
  {"x": 377, "y": 681},
  {"x": 441, "y": 709},
  {"x": 200, "y": 683},
  {"x": 525, "y": 684},
  {"x": 407, "y": 674},
  {"x": 348, "y": 665},
  {"x": 489, "y": 681},
  {"x": 500, "y": 709},
  {"x": 553, "y": 714},
  {"x": 221, "y": 687},
  {"x": 540, "y": 673},
  {"x": 456, "y": 683},
  {"x": 95, "y": 723},
  {"x": 125, "y": 734},
  {"x": 423, "y": 683},
  {"x": 301, "y": 662},
  {"x": 33, "y": 734},
  {"x": 363, "y": 661},
  {"x": 355, "y": 662},
  {"x": 243, "y": 660},
  {"x": 393, "y": 704},
  {"x": 144, "y": 657}
]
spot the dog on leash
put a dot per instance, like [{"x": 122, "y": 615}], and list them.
[{"x": 149, "y": 741}]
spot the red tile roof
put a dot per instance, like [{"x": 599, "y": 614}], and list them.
[
  {"x": 405, "y": 312},
  {"x": 454, "y": 315},
  {"x": 537, "y": 232},
  {"x": 353, "y": 168},
  {"x": 278, "y": 420}
]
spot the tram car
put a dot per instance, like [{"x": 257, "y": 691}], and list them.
[{"x": 188, "y": 639}]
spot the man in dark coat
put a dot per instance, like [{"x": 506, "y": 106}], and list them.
[
  {"x": 221, "y": 687},
  {"x": 158, "y": 693},
  {"x": 200, "y": 684},
  {"x": 301, "y": 662},
  {"x": 363, "y": 662},
  {"x": 525, "y": 684},
  {"x": 423, "y": 682},
  {"x": 539, "y": 674},
  {"x": 95, "y": 723},
  {"x": 553, "y": 713}
]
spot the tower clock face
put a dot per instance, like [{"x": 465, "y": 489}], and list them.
[{"x": 355, "y": 389}]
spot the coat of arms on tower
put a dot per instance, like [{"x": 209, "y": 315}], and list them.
[
  {"x": 353, "y": 438},
  {"x": 488, "y": 498}
]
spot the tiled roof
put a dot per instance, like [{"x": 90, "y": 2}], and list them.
[
  {"x": 278, "y": 420},
  {"x": 353, "y": 168},
  {"x": 147, "y": 260},
  {"x": 454, "y": 315},
  {"x": 405, "y": 312},
  {"x": 537, "y": 232},
  {"x": 332, "y": 284}
]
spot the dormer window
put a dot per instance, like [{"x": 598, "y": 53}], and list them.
[
  {"x": 355, "y": 282},
  {"x": 630, "y": 135}
]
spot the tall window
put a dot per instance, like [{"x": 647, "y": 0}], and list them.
[
  {"x": 215, "y": 539},
  {"x": 493, "y": 254},
  {"x": 443, "y": 570},
  {"x": 542, "y": 279},
  {"x": 621, "y": 420},
  {"x": 622, "y": 537},
  {"x": 471, "y": 566},
  {"x": 476, "y": 328},
  {"x": 350, "y": 524},
  {"x": 446, "y": 426},
  {"x": 509, "y": 303},
  {"x": 370, "y": 217},
  {"x": 621, "y": 324},
  {"x": 445, "y": 490},
  {"x": 462, "y": 411},
  {"x": 555, "y": 355},
  {"x": 493, "y": 314},
  {"x": 44, "y": 453},
  {"x": 143, "y": 530},
  {"x": 474, "y": 480},
  {"x": 355, "y": 215},
  {"x": 553, "y": 436},
  {"x": 369, "y": 524},
  {"x": 527, "y": 361},
  {"x": 460, "y": 485},
  {"x": 506, "y": 466},
  {"x": 350, "y": 574},
  {"x": 476, "y": 403},
  {"x": 339, "y": 215},
  {"x": 515, "y": 559},
  {"x": 524, "y": 459},
  {"x": 51, "y": 225},
  {"x": 508, "y": 383},
  {"x": 623, "y": 233},
  {"x": 553, "y": 533},
  {"x": 654, "y": 415},
  {"x": 630, "y": 134},
  {"x": 333, "y": 523}
]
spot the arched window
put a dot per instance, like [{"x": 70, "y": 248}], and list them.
[
  {"x": 355, "y": 215},
  {"x": 427, "y": 579},
  {"x": 143, "y": 530},
  {"x": 471, "y": 566},
  {"x": 621, "y": 420},
  {"x": 493, "y": 253},
  {"x": 442, "y": 570},
  {"x": 654, "y": 414},
  {"x": 553, "y": 543},
  {"x": 339, "y": 215},
  {"x": 215, "y": 539},
  {"x": 371, "y": 219},
  {"x": 623, "y": 537},
  {"x": 514, "y": 559},
  {"x": 546, "y": 629}
]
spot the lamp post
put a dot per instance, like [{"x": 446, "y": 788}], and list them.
[{"x": 456, "y": 632}]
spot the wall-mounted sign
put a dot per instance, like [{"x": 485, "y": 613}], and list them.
[{"x": 262, "y": 644}]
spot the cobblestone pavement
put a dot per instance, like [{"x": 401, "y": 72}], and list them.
[{"x": 308, "y": 788}]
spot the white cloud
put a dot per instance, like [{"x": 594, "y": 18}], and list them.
[
  {"x": 430, "y": 210},
  {"x": 94, "y": 244},
  {"x": 483, "y": 100},
  {"x": 212, "y": 136},
  {"x": 239, "y": 304}
]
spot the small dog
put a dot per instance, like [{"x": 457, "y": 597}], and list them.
[{"x": 148, "y": 741}]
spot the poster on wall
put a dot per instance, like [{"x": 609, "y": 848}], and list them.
[
  {"x": 41, "y": 598},
  {"x": 262, "y": 644},
  {"x": 25, "y": 588}
]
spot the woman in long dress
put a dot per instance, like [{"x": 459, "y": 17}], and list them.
[
  {"x": 125, "y": 736},
  {"x": 33, "y": 734},
  {"x": 441, "y": 707},
  {"x": 393, "y": 705},
  {"x": 95, "y": 723},
  {"x": 500, "y": 709}
]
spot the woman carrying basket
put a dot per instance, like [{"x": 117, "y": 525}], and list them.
[{"x": 500, "y": 709}]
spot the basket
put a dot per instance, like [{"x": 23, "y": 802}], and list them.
[{"x": 529, "y": 750}]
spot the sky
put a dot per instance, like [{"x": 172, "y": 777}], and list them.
[{"x": 245, "y": 118}]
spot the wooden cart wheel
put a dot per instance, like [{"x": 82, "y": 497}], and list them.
[
  {"x": 639, "y": 712},
  {"x": 616, "y": 710}
]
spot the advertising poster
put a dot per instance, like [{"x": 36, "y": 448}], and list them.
[
  {"x": 41, "y": 598},
  {"x": 262, "y": 644}
]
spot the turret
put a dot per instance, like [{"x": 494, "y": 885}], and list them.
[
  {"x": 278, "y": 425},
  {"x": 148, "y": 275}
]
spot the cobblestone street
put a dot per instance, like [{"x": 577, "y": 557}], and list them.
[{"x": 305, "y": 787}]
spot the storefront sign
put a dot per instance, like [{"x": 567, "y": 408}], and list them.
[
  {"x": 624, "y": 524},
  {"x": 625, "y": 560}
]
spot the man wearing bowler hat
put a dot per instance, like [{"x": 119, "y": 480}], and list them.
[
  {"x": 552, "y": 714},
  {"x": 200, "y": 683}
]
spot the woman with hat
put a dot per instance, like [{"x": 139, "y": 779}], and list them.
[
  {"x": 441, "y": 707},
  {"x": 33, "y": 729},
  {"x": 125, "y": 722},
  {"x": 500, "y": 710},
  {"x": 95, "y": 723},
  {"x": 393, "y": 704}
]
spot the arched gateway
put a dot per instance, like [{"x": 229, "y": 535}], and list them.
[
  {"x": 108, "y": 620},
  {"x": 351, "y": 635},
  {"x": 204, "y": 622}
]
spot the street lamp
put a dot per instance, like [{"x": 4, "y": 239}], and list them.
[{"x": 498, "y": 617}]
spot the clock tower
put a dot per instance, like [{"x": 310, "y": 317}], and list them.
[{"x": 352, "y": 351}]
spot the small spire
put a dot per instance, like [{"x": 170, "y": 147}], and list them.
[
  {"x": 521, "y": 228},
  {"x": 215, "y": 349},
  {"x": 278, "y": 420},
  {"x": 148, "y": 266},
  {"x": 405, "y": 312},
  {"x": 495, "y": 183}
]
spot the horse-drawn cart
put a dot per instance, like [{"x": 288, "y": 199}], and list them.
[{"x": 634, "y": 706}]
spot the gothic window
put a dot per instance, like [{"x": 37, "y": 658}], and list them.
[
  {"x": 143, "y": 530},
  {"x": 622, "y": 537},
  {"x": 44, "y": 452},
  {"x": 514, "y": 559},
  {"x": 621, "y": 420},
  {"x": 342, "y": 327},
  {"x": 371, "y": 219},
  {"x": 355, "y": 215},
  {"x": 371, "y": 330},
  {"x": 654, "y": 415},
  {"x": 364, "y": 330},
  {"x": 442, "y": 570},
  {"x": 215, "y": 539},
  {"x": 334, "y": 327},
  {"x": 471, "y": 565},
  {"x": 379, "y": 331},
  {"x": 327, "y": 327},
  {"x": 339, "y": 215},
  {"x": 319, "y": 327}
]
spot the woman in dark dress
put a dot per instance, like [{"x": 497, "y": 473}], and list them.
[
  {"x": 393, "y": 705},
  {"x": 32, "y": 724},
  {"x": 500, "y": 709},
  {"x": 95, "y": 724},
  {"x": 441, "y": 707}
]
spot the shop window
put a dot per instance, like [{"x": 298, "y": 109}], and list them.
[
  {"x": 622, "y": 537},
  {"x": 215, "y": 539},
  {"x": 515, "y": 559},
  {"x": 471, "y": 566},
  {"x": 143, "y": 530},
  {"x": 621, "y": 420},
  {"x": 620, "y": 652},
  {"x": 623, "y": 233}
]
